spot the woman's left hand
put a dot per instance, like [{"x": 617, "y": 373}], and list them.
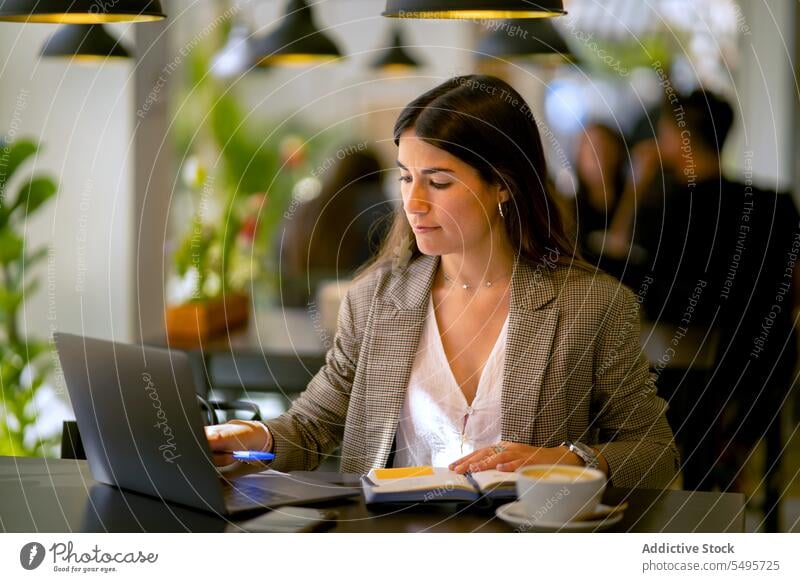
[{"x": 513, "y": 456}]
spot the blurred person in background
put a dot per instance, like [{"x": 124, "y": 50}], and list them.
[
  {"x": 720, "y": 263},
  {"x": 331, "y": 235},
  {"x": 600, "y": 168},
  {"x": 643, "y": 183}
]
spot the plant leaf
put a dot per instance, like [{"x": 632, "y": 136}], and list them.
[
  {"x": 36, "y": 256},
  {"x": 34, "y": 193},
  {"x": 11, "y": 246},
  {"x": 12, "y": 157},
  {"x": 10, "y": 300}
]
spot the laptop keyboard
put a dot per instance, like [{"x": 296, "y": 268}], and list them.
[
  {"x": 266, "y": 490},
  {"x": 246, "y": 495}
]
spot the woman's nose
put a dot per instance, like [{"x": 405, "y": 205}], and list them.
[{"x": 416, "y": 202}]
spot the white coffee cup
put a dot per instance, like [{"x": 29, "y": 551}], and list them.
[{"x": 558, "y": 493}]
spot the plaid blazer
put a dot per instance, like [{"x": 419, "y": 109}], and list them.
[{"x": 573, "y": 370}]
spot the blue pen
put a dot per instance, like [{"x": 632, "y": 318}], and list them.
[{"x": 252, "y": 456}]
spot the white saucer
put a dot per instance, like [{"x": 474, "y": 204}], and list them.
[{"x": 511, "y": 514}]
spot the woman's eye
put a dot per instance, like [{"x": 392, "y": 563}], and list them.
[
  {"x": 406, "y": 179},
  {"x": 440, "y": 185}
]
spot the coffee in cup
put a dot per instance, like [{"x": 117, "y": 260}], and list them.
[{"x": 559, "y": 493}]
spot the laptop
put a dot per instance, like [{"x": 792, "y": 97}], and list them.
[{"x": 142, "y": 429}]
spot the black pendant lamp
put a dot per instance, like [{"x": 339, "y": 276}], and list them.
[
  {"x": 84, "y": 42},
  {"x": 516, "y": 39},
  {"x": 394, "y": 56},
  {"x": 296, "y": 41},
  {"x": 468, "y": 9},
  {"x": 80, "y": 11}
]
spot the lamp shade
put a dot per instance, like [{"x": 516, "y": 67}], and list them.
[
  {"x": 467, "y": 9},
  {"x": 296, "y": 40},
  {"x": 84, "y": 42},
  {"x": 394, "y": 56},
  {"x": 536, "y": 38},
  {"x": 81, "y": 11}
]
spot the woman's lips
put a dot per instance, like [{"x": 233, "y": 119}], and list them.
[{"x": 423, "y": 229}]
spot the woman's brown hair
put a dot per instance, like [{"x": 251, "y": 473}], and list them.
[{"x": 484, "y": 122}]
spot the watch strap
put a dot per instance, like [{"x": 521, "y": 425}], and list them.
[{"x": 584, "y": 452}]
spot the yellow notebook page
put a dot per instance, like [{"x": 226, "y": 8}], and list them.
[{"x": 402, "y": 472}]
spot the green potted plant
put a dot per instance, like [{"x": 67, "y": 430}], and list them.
[
  {"x": 24, "y": 361},
  {"x": 241, "y": 176},
  {"x": 238, "y": 194}
]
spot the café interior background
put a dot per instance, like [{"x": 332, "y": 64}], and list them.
[{"x": 131, "y": 145}]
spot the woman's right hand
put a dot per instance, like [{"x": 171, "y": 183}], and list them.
[{"x": 237, "y": 435}]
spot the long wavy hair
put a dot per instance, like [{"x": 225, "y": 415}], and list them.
[{"x": 486, "y": 123}]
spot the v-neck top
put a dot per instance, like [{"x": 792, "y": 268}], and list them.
[{"x": 436, "y": 425}]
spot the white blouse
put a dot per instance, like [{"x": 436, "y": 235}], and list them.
[{"x": 436, "y": 425}]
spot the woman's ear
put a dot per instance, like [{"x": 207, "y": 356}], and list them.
[{"x": 503, "y": 195}]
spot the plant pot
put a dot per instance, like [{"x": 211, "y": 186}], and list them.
[{"x": 196, "y": 321}]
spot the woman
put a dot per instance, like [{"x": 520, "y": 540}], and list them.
[
  {"x": 535, "y": 348},
  {"x": 600, "y": 169}
]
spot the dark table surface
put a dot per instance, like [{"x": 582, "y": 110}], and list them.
[{"x": 55, "y": 495}]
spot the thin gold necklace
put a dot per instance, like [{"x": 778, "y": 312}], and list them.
[{"x": 466, "y": 286}]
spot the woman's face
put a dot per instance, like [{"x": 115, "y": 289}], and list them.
[
  {"x": 598, "y": 157},
  {"x": 448, "y": 196}
]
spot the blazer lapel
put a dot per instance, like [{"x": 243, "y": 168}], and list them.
[
  {"x": 531, "y": 328},
  {"x": 398, "y": 320}
]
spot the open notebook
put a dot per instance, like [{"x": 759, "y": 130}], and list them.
[{"x": 426, "y": 484}]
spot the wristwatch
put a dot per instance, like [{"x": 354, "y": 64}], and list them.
[{"x": 585, "y": 452}]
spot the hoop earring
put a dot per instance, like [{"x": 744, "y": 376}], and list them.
[{"x": 500, "y": 208}]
